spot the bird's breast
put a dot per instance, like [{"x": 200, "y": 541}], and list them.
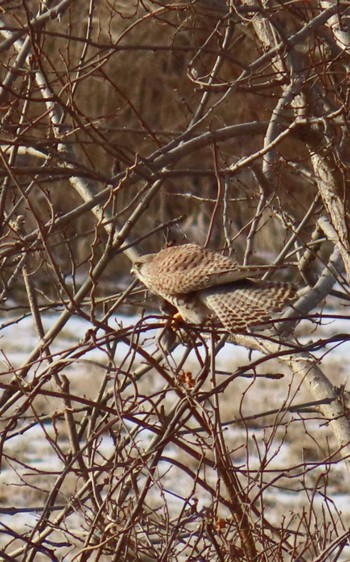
[{"x": 192, "y": 310}]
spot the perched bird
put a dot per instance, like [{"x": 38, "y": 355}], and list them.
[{"x": 205, "y": 286}]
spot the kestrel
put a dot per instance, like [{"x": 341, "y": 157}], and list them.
[{"x": 205, "y": 286}]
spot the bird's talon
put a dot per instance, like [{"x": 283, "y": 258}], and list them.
[{"x": 176, "y": 322}]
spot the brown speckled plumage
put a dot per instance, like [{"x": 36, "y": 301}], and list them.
[{"x": 204, "y": 285}]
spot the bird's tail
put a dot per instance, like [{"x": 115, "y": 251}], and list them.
[{"x": 241, "y": 305}]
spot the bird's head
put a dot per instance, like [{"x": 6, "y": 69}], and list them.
[{"x": 141, "y": 266}]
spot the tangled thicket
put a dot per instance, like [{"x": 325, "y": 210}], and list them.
[{"x": 126, "y": 125}]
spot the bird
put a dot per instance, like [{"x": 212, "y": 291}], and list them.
[{"x": 207, "y": 287}]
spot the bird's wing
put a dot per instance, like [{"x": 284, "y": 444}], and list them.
[
  {"x": 194, "y": 279},
  {"x": 189, "y": 268},
  {"x": 235, "y": 273},
  {"x": 239, "y": 306}
]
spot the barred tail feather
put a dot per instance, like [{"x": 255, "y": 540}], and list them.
[{"x": 242, "y": 305}]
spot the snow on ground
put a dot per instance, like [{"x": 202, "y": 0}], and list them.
[{"x": 289, "y": 447}]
